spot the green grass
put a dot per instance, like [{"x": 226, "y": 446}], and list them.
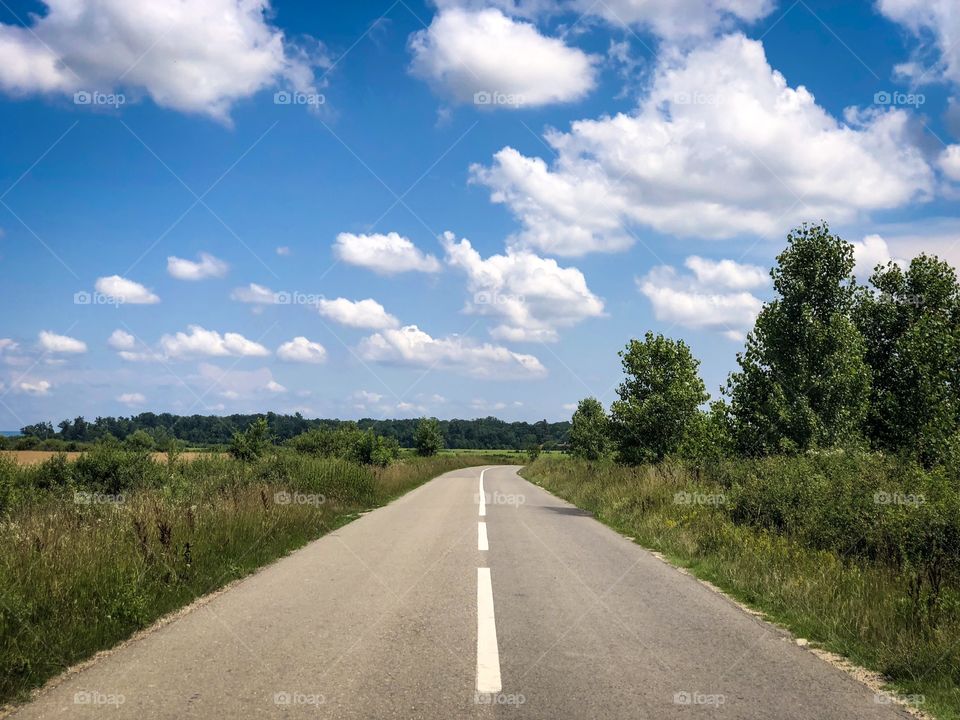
[
  {"x": 848, "y": 603},
  {"x": 79, "y": 577}
]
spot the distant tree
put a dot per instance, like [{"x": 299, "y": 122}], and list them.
[
  {"x": 427, "y": 438},
  {"x": 589, "y": 436},
  {"x": 803, "y": 380},
  {"x": 659, "y": 399},
  {"x": 252, "y": 443},
  {"x": 41, "y": 430},
  {"x": 911, "y": 324},
  {"x": 140, "y": 441}
]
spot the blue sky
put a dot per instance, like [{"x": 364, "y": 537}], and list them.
[{"x": 458, "y": 208}]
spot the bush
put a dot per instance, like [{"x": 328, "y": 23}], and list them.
[{"x": 250, "y": 444}]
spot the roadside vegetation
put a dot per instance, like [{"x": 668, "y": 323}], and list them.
[
  {"x": 824, "y": 486},
  {"x": 94, "y": 549}
]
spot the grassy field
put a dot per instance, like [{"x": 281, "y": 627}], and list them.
[
  {"x": 95, "y": 549},
  {"x": 807, "y": 542}
]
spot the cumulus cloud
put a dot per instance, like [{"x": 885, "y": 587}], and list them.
[
  {"x": 533, "y": 296},
  {"x": 274, "y": 387},
  {"x": 197, "y": 57},
  {"x": 721, "y": 146},
  {"x": 727, "y": 273},
  {"x": 388, "y": 254},
  {"x": 206, "y": 267},
  {"x": 302, "y": 350},
  {"x": 359, "y": 314},
  {"x": 701, "y": 301},
  {"x": 256, "y": 294},
  {"x": 411, "y": 346},
  {"x": 949, "y": 162},
  {"x": 873, "y": 250},
  {"x": 199, "y": 342},
  {"x": 121, "y": 340},
  {"x": 53, "y": 343},
  {"x": 132, "y": 399},
  {"x": 485, "y": 57},
  {"x": 677, "y": 19},
  {"x": 126, "y": 291},
  {"x": 34, "y": 387},
  {"x": 936, "y": 24}
]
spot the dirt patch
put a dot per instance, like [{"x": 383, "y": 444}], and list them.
[{"x": 32, "y": 457}]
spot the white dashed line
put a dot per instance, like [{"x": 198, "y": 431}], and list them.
[
  {"x": 482, "y": 543},
  {"x": 488, "y": 655}
]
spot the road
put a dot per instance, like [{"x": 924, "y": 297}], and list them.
[{"x": 452, "y": 604}]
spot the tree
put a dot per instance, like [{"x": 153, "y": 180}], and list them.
[
  {"x": 140, "y": 441},
  {"x": 427, "y": 438},
  {"x": 589, "y": 436},
  {"x": 803, "y": 380},
  {"x": 659, "y": 398},
  {"x": 250, "y": 444},
  {"x": 911, "y": 324}
]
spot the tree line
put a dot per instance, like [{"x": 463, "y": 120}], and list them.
[
  {"x": 830, "y": 363},
  {"x": 204, "y": 430}
]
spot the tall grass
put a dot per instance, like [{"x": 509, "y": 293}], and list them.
[
  {"x": 852, "y": 552},
  {"x": 93, "y": 550}
]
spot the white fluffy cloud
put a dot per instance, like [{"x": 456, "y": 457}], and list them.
[
  {"x": 302, "y": 350},
  {"x": 677, "y": 19},
  {"x": 384, "y": 254},
  {"x": 873, "y": 250},
  {"x": 121, "y": 340},
  {"x": 206, "y": 267},
  {"x": 201, "y": 342},
  {"x": 359, "y": 314},
  {"x": 721, "y": 146},
  {"x": 934, "y": 22},
  {"x": 701, "y": 300},
  {"x": 34, "y": 387},
  {"x": 256, "y": 294},
  {"x": 411, "y": 346},
  {"x": 533, "y": 296},
  {"x": 467, "y": 52},
  {"x": 274, "y": 387},
  {"x": 727, "y": 273},
  {"x": 949, "y": 162},
  {"x": 53, "y": 343},
  {"x": 126, "y": 291},
  {"x": 199, "y": 56},
  {"x": 132, "y": 399}
]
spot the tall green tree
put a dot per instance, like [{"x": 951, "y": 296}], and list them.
[
  {"x": 803, "y": 380},
  {"x": 428, "y": 438},
  {"x": 911, "y": 323},
  {"x": 658, "y": 399},
  {"x": 589, "y": 436}
]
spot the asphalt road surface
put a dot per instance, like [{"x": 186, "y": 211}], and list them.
[{"x": 452, "y": 604}]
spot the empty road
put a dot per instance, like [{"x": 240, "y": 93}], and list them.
[{"x": 450, "y": 603}]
